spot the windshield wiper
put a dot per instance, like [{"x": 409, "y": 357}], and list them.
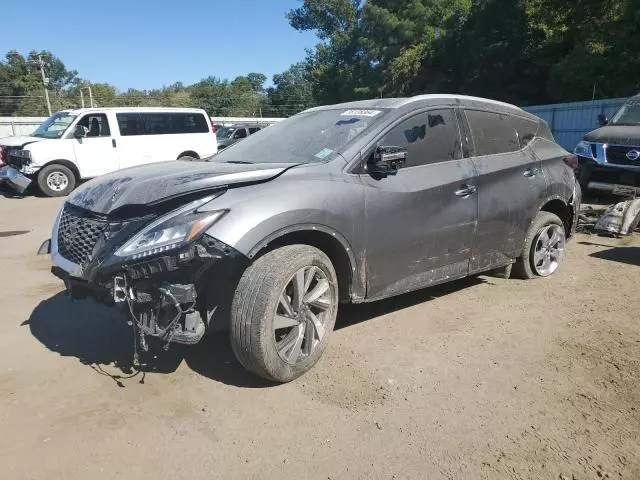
[{"x": 239, "y": 162}]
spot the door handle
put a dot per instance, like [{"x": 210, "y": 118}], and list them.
[
  {"x": 113, "y": 142},
  {"x": 466, "y": 191},
  {"x": 530, "y": 172}
]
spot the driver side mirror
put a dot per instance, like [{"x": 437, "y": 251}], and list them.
[
  {"x": 387, "y": 160},
  {"x": 80, "y": 131},
  {"x": 602, "y": 120}
]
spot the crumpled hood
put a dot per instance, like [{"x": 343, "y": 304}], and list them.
[
  {"x": 156, "y": 182},
  {"x": 19, "y": 141},
  {"x": 617, "y": 135}
]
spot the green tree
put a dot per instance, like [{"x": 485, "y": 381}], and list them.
[
  {"x": 340, "y": 67},
  {"x": 21, "y": 88},
  {"x": 291, "y": 93}
]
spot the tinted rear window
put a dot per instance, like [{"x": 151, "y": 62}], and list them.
[
  {"x": 526, "y": 129},
  {"x": 544, "y": 131},
  {"x": 492, "y": 133},
  {"x": 148, "y": 123}
]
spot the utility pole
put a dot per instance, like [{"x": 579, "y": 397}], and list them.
[{"x": 45, "y": 83}]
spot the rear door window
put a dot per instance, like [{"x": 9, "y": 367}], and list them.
[
  {"x": 253, "y": 130},
  {"x": 161, "y": 123},
  {"x": 129, "y": 124},
  {"x": 492, "y": 133},
  {"x": 525, "y": 129},
  {"x": 429, "y": 137}
]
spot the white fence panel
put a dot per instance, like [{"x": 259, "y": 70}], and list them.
[{"x": 14, "y": 126}]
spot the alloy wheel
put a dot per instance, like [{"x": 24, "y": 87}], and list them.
[
  {"x": 549, "y": 250},
  {"x": 302, "y": 313}
]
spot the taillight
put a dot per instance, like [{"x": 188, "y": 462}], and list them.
[
  {"x": 1, "y": 157},
  {"x": 572, "y": 161}
]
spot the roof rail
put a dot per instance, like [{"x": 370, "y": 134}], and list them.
[{"x": 455, "y": 97}]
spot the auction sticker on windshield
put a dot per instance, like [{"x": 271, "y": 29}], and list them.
[
  {"x": 361, "y": 113},
  {"x": 324, "y": 153}
]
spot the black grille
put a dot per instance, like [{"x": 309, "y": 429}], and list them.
[
  {"x": 78, "y": 233},
  {"x": 618, "y": 155}
]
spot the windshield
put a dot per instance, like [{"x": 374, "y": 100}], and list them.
[
  {"x": 305, "y": 138},
  {"x": 55, "y": 126},
  {"x": 629, "y": 113},
  {"x": 225, "y": 132}
]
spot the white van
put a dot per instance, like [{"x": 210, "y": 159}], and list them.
[{"x": 75, "y": 145}]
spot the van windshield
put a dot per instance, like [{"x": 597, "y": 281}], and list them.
[
  {"x": 308, "y": 137},
  {"x": 629, "y": 113},
  {"x": 55, "y": 126}
]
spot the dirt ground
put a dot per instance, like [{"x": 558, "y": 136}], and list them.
[{"x": 484, "y": 378}]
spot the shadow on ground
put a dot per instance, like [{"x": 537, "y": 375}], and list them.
[
  {"x": 629, "y": 255},
  {"x": 99, "y": 336}
]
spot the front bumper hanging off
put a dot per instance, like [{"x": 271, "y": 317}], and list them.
[
  {"x": 160, "y": 294},
  {"x": 14, "y": 178}
]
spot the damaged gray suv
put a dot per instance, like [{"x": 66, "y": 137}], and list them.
[{"x": 344, "y": 203}]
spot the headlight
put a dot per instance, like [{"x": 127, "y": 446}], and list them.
[
  {"x": 20, "y": 153},
  {"x": 583, "y": 149},
  {"x": 171, "y": 231}
]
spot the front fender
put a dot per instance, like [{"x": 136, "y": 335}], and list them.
[
  {"x": 47, "y": 151},
  {"x": 260, "y": 214}
]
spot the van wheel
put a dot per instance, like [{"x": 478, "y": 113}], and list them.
[
  {"x": 544, "y": 247},
  {"x": 283, "y": 312},
  {"x": 56, "y": 180}
]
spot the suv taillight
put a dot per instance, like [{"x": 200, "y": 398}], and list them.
[
  {"x": 572, "y": 161},
  {"x": 1, "y": 156}
]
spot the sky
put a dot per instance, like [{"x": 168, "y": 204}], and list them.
[{"x": 146, "y": 44}]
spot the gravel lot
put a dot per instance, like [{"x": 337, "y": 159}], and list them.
[{"x": 483, "y": 378}]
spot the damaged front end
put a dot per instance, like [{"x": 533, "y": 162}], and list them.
[{"x": 155, "y": 263}]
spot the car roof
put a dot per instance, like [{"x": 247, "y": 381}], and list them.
[
  {"x": 423, "y": 100},
  {"x": 80, "y": 111}
]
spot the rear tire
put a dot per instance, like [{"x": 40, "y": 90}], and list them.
[
  {"x": 544, "y": 248},
  {"x": 283, "y": 312},
  {"x": 56, "y": 180}
]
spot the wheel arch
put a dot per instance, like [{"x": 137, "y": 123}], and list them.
[
  {"x": 560, "y": 207},
  {"x": 332, "y": 243},
  {"x": 188, "y": 153},
  {"x": 67, "y": 163}
]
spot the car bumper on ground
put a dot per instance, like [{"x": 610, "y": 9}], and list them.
[{"x": 14, "y": 178}]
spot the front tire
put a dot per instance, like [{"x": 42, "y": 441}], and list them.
[
  {"x": 56, "y": 180},
  {"x": 544, "y": 247},
  {"x": 283, "y": 312}
]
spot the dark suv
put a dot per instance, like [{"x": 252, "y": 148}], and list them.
[
  {"x": 227, "y": 136},
  {"x": 343, "y": 203},
  {"x": 610, "y": 156}
]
